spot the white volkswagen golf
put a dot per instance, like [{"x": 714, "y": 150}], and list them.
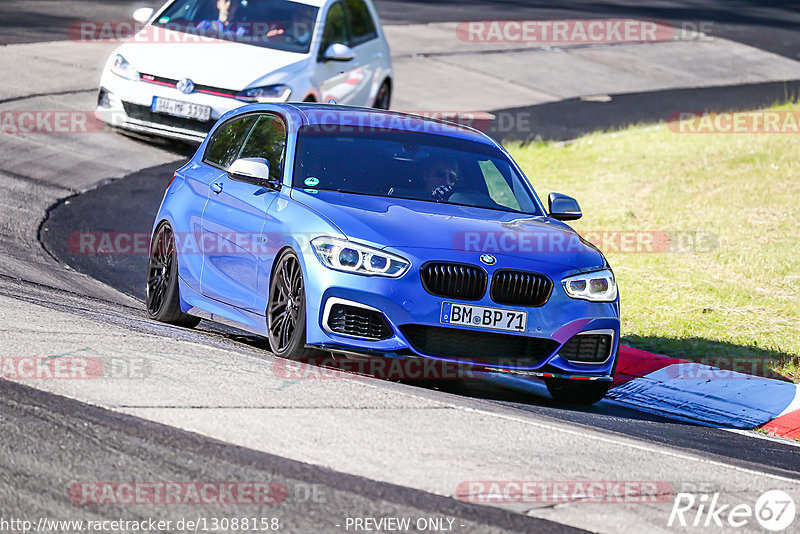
[{"x": 194, "y": 60}]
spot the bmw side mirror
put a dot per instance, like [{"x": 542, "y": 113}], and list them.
[
  {"x": 339, "y": 52},
  {"x": 143, "y": 14},
  {"x": 253, "y": 170},
  {"x": 564, "y": 208}
]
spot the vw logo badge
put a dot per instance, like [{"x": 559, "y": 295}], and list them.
[
  {"x": 186, "y": 86},
  {"x": 488, "y": 259}
]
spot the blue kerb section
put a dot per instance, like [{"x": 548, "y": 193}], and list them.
[{"x": 708, "y": 395}]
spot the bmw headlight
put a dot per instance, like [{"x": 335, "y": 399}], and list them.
[
  {"x": 122, "y": 68},
  {"x": 272, "y": 93},
  {"x": 599, "y": 286},
  {"x": 350, "y": 257}
]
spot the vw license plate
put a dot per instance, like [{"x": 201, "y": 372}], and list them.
[
  {"x": 482, "y": 317},
  {"x": 178, "y": 108}
]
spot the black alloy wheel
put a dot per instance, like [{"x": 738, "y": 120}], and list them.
[{"x": 161, "y": 293}]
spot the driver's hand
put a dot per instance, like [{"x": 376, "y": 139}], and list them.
[{"x": 443, "y": 192}]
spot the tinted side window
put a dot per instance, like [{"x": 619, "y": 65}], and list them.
[
  {"x": 335, "y": 29},
  {"x": 361, "y": 24},
  {"x": 224, "y": 147},
  {"x": 268, "y": 140}
]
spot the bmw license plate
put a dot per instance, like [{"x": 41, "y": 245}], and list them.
[
  {"x": 482, "y": 317},
  {"x": 178, "y": 108}
]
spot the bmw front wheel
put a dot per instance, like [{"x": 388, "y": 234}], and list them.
[{"x": 286, "y": 311}]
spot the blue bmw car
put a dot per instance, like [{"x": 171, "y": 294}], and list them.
[{"x": 356, "y": 231}]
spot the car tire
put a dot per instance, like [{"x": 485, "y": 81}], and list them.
[
  {"x": 577, "y": 391},
  {"x": 162, "y": 295},
  {"x": 384, "y": 97},
  {"x": 286, "y": 310}
]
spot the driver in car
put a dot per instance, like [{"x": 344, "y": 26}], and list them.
[
  {"x": 441, "y": 179},
  {"x": 224, "y": 24}
]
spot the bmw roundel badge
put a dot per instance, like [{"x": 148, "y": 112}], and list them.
[{"x": 488, "y": 259}]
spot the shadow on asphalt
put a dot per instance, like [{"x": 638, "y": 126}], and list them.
[
  {"x": 571, "y": 118},
  {"x": 766, "y": 24}
]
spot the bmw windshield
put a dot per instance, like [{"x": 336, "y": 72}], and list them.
[
  {"x": 277, "y": 24},
  {"x": 410, "y": 165}
]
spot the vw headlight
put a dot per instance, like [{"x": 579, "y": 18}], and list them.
[
  {"x": 272, "y": 93},
  {"x": 122, "y": 68},
  {"x": 599, "y": 286},
  {"x": 350, "y": 257}
]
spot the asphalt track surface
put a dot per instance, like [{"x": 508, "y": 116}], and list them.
[
  {"x": 767, "y": 24},
  {"x": 38, "y": 427},
  {"x": 44, "y": 431},
  {"x": 770, "y": 25}
]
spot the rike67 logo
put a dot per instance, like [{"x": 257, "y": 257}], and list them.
[{"x": 774, "y": 510}]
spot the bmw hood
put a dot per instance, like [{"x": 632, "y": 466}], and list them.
[
  {"x": 399, "y": 224},
  {"x": 211, "y": 62}
]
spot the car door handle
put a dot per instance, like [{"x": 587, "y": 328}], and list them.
[
  {"x": 378, "y": 55},
  {"x": 216, "y": 187}
]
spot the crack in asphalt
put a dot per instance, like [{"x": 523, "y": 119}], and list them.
[
  {"x": 38, "y": 181},
  {"x": 316, "y": 407},
  {"x": 522, "y": 49},
  {"x": 39, "y": 95}
]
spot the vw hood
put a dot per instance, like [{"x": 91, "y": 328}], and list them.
[{"x": 212, "y": 62}]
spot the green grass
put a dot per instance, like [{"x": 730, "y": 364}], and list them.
[{"x": 737, "y": 302}]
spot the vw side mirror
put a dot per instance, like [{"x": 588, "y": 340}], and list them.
[
  {"x": 339, "y": 52},
  {"x": 143, "y": 14}
]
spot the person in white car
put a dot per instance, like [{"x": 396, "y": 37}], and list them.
[{"x": 226, "y": 21}]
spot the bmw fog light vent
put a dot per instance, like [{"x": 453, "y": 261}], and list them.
[
  {"x": 358, "y": 322},
  {"x": 588, "y": 348}
]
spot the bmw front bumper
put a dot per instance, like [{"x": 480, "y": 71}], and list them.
[{"x": 346, "y": 312}]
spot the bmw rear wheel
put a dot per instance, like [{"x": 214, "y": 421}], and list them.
[
  {"x": 162, "y": 296},
  {"x": 286, "y": 310}
]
